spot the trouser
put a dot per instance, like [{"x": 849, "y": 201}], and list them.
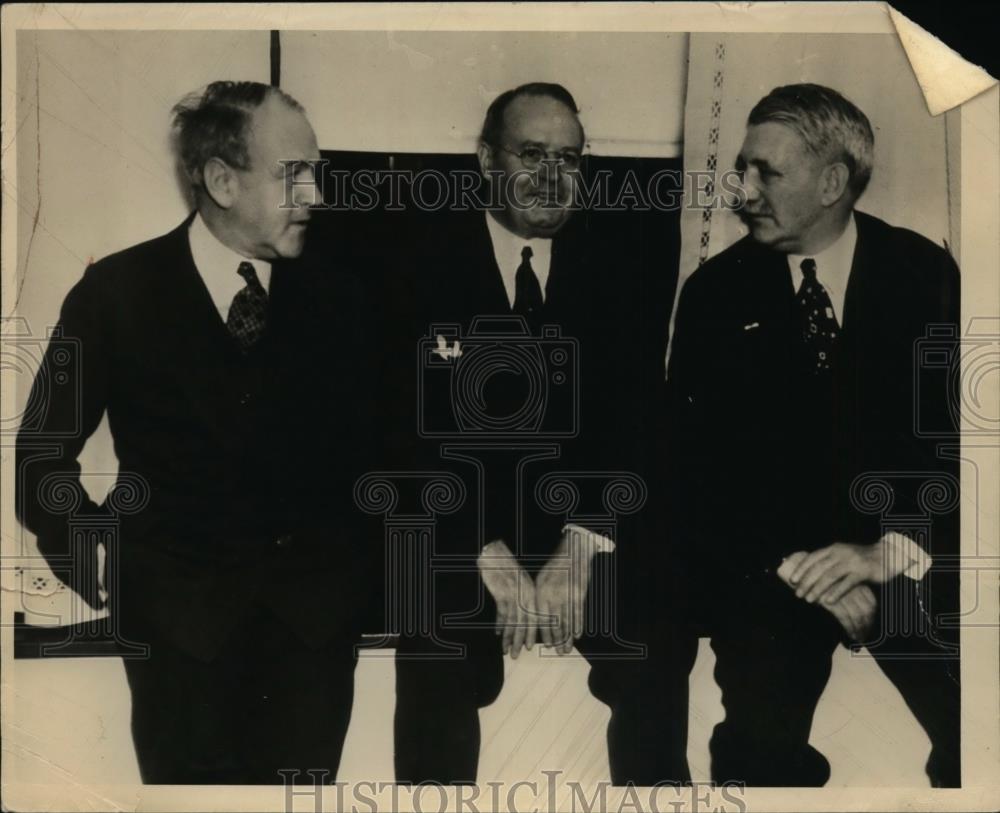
[
  {"x": 920, "y": 655},
  {"x": 266, "y": 702},
  {"x": 932, "y": 692},
  {"x": 638, "y": 668},
  {"x": 773, "y": 659}
]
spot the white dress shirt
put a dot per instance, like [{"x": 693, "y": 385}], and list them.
[
  {"x": 833, "y": 270},
  {"x": 833, "y": 267},
  {"x": 217, "y": 264},
  {"x": 507, "y": 248}
]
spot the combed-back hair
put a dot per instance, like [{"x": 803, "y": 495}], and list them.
[
  {"x": 493, "y": 123},
  {"x": 832, "y": 127},
  {"x": 214, "y": 122}
]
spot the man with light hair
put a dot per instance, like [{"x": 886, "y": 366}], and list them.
[
  {"x": 793, "y": 387},
  {"x": 203, "y": 347}
]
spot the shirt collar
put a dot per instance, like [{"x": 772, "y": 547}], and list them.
[
  {"x": 217, "y": 261},
  {"x": 833, "y": 266},
  {"x": 507, "y": 248}
]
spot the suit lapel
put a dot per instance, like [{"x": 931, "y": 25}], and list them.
[
  {"x": 861, "y": 282},
  {"x": 474, "y": 272},
  {"x": 196, "y": 345},
  {"x": 754, "y": 329},
  {"x": 494, "y": 297},
  {"x": 776, "y": 292},
  {"x": 559, "y": 284}
]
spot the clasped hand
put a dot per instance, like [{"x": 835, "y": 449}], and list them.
[
  {"x": 551, "y": 607},
  {"x": 838, "y": 576}
]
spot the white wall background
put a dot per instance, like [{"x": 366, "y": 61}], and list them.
[
  {"x": 95, "y": 171},
  {"x": 912, "y": 184},
  {"x": 427, "y": 91}
]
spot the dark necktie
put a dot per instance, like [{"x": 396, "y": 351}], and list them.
[
  {"x": 248, "y": 311},
  {"x": 819, "y": 324},
  {"x": 527, "y": 292}
]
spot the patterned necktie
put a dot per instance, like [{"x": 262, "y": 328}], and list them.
[
  {"x": 819, "y": 324},
  {"x": 248, "y": 311},
  {"x": 527, "y": 291}
]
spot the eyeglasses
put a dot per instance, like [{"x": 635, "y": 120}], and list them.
[{"x": 531, "y": 157}]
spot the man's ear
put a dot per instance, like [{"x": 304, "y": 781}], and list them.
[
  {"x": 220, "y": 182},
  {"x": 833, "y": 183},
  {"x": 485, "y": 153}
]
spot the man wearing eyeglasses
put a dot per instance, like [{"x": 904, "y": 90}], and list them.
[
  {"x": 533, "y": 575},
  {"x": 532, "y": 140}
]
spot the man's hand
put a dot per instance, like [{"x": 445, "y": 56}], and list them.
[
  {"x": 854, "y": 610},
  {"x": 562, "y": 589},
  {"x": 831, "y": 572},
  {"x": 514, "y": 592}
]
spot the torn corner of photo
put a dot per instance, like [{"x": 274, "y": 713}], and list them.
[{"x": 945, "y": 78}]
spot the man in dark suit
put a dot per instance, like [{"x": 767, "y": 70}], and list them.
[
  {"x": 221, "y": 365},
  {"x": 525, "y": 568},
  {"x": 793, "y": 383}
]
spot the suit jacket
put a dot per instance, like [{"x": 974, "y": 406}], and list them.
[
  {"x": 239, "y": 467},
  {"x": 605, "y": 310},
  {"x": 766, "y": 463}
]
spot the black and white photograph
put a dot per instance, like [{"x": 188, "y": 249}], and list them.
[{"x": 498, "y": 406}]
